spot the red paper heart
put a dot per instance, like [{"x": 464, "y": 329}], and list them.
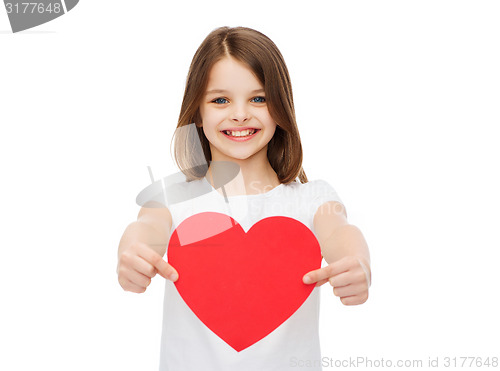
[{"x": 242, "y": 286}]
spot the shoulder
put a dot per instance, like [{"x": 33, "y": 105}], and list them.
[
  {"x": 326, "y": 205},
  {"x": 317, "y": 191},
  {"x": 319, "y": 185},
  {"x": 181, "y": 193},
  {"x": 312, "y": 194},
  {"x": 311, "y": 184},
  {"x": 161, "y": 200}
]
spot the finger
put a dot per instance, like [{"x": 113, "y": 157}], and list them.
[
  {"x": 342, "y": 279},
  {"x": 355, "y": 300},
  {"x": 164, "y": 269},
  {"x": 317, "y": 275},
  {"x": 130, "y": 286},
  {"x": 138, "y": 278},
  {"x": 344, "y": 265},
  {"x": 322, "y": 282},
  {"x": 349, "y": 290},
  {"x": 367, "y": 272},
  {"x": 354, "y": 276},
  {"x": 142, "y": 266}
]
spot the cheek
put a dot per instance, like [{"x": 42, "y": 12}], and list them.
[
  {"x": 205, "y": 112},
  {"x": 210, "y": 116},
  {"x": 271, "y": 132},
  {"x": 269, "y": 122},
  {"x": 265, "y": 117}
]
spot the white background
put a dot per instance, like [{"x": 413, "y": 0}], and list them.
[{"x": 398, "y": 109}]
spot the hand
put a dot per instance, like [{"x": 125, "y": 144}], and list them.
[
  {"x": 138, "y": 263},
  {"x": 349, "y": 277}
]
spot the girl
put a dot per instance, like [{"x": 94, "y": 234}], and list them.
[{"x": 238, "y": 105}]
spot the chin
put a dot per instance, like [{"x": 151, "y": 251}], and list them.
[{"x": 239, "y": 157}]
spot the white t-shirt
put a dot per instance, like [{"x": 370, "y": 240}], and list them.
[{"x": 188, "y": 345}]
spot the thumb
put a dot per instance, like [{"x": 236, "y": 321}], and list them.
[{"x": 164, "y": 269}]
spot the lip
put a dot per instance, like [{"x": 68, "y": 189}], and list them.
[
  {"x": 241, "y": 139},
  {"x": 239, "y": 128}
]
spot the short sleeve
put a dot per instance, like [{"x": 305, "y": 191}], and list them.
[{"x": 319, "y": 192}]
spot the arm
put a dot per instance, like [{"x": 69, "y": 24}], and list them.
[
  {"x": 152, "y": 227},
  {"x": 346, "y": 252},
  {"x": 141, "y": 250}
]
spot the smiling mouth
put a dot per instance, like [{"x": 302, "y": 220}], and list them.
[{"x": 240, "y": 134}]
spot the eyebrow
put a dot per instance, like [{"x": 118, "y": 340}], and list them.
[{"x": 226, "y": 91}]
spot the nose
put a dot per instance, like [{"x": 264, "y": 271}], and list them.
[{"x": 240, "y": 113}]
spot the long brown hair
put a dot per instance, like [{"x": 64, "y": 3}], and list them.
[{"x": 262, "y": 56}]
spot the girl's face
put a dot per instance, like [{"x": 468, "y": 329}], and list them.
[{"x": 233, "y": 103}]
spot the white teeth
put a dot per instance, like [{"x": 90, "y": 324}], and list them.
[{"x": 243, "y": 133}]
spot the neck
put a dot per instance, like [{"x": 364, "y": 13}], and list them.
[{"x": 256, "y": 176}]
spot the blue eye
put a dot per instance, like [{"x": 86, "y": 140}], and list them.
[
  {"x": 259, "y": 99},
  {"x": 220, "y": 100}
]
